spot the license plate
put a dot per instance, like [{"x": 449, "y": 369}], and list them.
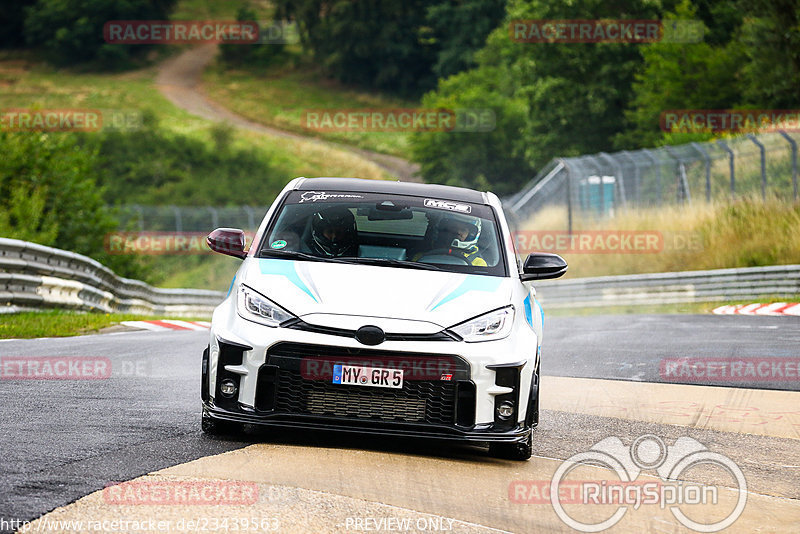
[{"x": 368, "y": 376}]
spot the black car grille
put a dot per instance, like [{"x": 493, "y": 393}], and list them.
[
  {"x": 416, "y": 402},
  {"x": 287, "y": 387}
]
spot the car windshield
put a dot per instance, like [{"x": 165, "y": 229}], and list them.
[{"x": 384, "y": 229}]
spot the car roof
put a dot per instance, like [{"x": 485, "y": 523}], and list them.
[{"x": 443, "y": 192}]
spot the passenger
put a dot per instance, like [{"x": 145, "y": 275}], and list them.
[{"x": 457, "y": 235}]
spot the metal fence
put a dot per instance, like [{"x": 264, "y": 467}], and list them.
[{"x": 595, "y": 186}]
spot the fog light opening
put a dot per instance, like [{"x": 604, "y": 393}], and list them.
[
  {"x": 505, "y": 410},
  {"x": 228, "y": 387}
]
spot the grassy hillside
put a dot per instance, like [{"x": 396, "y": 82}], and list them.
[
  {"x": 279, "y": 96},
  {"x": 27, "y": 83}
]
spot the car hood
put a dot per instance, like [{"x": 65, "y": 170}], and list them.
[{"x": 342, "y": 295}]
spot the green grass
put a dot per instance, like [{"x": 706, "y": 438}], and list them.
[
  {"x": 280, "y": 95},
  {"x": 61, "y": 323},
  {"x": 207, "y": 271}
]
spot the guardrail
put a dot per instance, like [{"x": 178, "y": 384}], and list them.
[
  {"x": 752, "y": 283},
  {"x": 34, "y": 276}
]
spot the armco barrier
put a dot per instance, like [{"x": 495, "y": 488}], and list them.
[
  {"x": 752, "y": 283},
  {"x": 34, "y": 276}
]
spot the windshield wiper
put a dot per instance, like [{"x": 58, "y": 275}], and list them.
[
  {"x": 398, "y": 263},
  {"x": 292, "y": 254}
]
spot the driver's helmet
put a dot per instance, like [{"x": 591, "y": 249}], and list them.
[
  {"x": 459, "y": 231},
  {"x": 333, "y": 231}
]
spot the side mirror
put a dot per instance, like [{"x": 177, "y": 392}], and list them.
[
  {"x": 228, "y": 241},
  {"x": 541, "y": 266}
]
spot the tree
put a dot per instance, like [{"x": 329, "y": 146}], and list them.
[
  {"x": 681, "y": 76},
  {"x": 480, "y": 159},
  {"x": 400, "y": 46},
  {"x": 569, "y": 97},
  {"x": 49, "y": 194},
  {"x": 71, "y": 31},
  {"x": 460, "y": 29},
  {"x": 12, "y": 22},
  {"x": 770, "y": 37}
]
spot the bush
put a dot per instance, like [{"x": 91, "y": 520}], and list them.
[
  {"x": 49, "y": 195},
  {"x": 151, "y": 166}
]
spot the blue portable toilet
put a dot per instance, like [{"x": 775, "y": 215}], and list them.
[{"x": 590, "y": 197}]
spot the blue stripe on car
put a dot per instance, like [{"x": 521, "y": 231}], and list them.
[
  {"x": 285, "y": 268},
  {"x": 471, "y": 283},
  {"x": 528, "y": 314}
]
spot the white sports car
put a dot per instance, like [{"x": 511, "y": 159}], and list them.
[{"x": 379, "y": 307}]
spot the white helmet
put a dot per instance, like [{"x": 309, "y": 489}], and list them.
[{"x": 454, "y": 224}]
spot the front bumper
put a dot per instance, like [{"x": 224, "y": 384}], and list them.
[
  {"x": 282, "y": 380},
  {"x": 478, "y": 433}
]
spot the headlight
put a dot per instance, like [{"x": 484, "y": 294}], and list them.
[
  {"x": 487, "y": 327},
  {"x": 255, "y": 307}
]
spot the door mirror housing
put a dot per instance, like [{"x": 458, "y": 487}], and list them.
[
  {"x": 228, "y": 241},
  {"x": 541, "y": 266}
]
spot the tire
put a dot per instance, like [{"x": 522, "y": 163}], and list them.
[
  {"x": 216, "y": 427},
  {"x": 519, "y": 451}
]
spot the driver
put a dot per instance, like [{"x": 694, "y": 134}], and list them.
[
  {"x": 458, "y": 235},
  {"x": 333, "y": 232}
]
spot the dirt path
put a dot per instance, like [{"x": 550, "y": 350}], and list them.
[{"x": 179, "y": 79}]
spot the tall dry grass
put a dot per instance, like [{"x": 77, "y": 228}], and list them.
[{"x": 747, "y": 232}]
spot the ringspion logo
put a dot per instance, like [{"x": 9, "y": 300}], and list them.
[{"x": 624, "y": 490}]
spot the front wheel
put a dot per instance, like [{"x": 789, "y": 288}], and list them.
[{"x": 520, "y": 451}]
